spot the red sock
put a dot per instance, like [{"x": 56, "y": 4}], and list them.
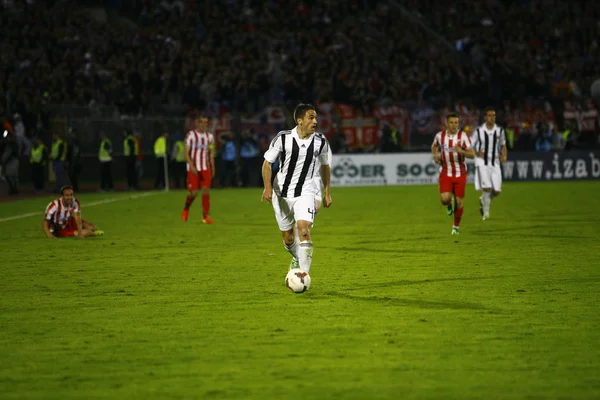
[
  {"x": 188, "y": 202},
  {"x": 457, "y": 216},
  {"x": 205, "y": 205}
]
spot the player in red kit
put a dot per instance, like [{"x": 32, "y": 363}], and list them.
[
  {"x": 200, "y": 160},
  {"x": 63, "y": 218},
  {"x": 449, "y": 149}
]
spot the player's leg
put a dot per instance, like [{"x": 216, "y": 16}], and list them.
[
  {"x": 446, "y": 193},
  {"x": 496, "y": 176},
  {"x": 284, "y": 216},
  {"x": 304, "y": 213},
  {"x": 459, "y": 186},
  {"x": 485, "y": 202},
  {"x": 205, "y": 183},
  {"x": 70, "y": 231},
  {"x": 92, "y": 228},
  {"x": 477, "y": 183},
  {"x": 486, "y": 187},
  {"x": 192, "y": 186}
]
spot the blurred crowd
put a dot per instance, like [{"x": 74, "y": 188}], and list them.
[
  {"x": 146, "y": 57},
  {"x": 141, "y": 55}
]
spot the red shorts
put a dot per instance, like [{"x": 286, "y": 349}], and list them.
[
  {"x": 453, "y": 185},
  {"x": 69, "y": 229},
  {"x": 202, "y": 180}
]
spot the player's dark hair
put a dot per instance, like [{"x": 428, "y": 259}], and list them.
[
  {"x": 488, "y": 109},
  {"x": 301, "y": 110},
  {"x": 65, "y": 187},
  {"x": 451, "y": 115}
]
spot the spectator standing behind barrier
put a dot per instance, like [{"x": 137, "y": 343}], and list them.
[
  {"x": 73, "y": 166},
  {"x": 37, "y": 160},
  {"x": 389, "y": 140},
  {"x": 9, "y": 161},
  {"x": 105, "y": 158},
  {"x": 544, "y": 139},
  {"x": 338, "y": 142},
  {"x": 228, "y": 157},
  {"x": 178, "y": 158},
  {"x": 139, "y": 159},
  {"x": 130, "y": 151},
  {"x": 23, "y": 142},
  {"x": 58, "y": 155},
  {"x": 160, "y": 152},
  {"x": 250, "y": 161}
]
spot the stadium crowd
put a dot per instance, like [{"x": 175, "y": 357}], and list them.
[
  {"x": 149, "y": 57},
  {"x": 247, "y": 54}
]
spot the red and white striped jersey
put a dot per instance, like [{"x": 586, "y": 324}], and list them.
[
  {"x": 200, "y": 145},
  {"x": 452, "y": 163},
  {"x": 58, "y": 213}
]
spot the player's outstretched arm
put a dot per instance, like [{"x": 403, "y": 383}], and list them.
[
  {"x": 326, "y": 178},
  {"x": 46, "y": 228},
  {"x": 266, "y": 174}
]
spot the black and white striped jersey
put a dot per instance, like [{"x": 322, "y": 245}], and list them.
[
  {"x": 489, "y": 141},
  {"x": 297, "y": 162}
]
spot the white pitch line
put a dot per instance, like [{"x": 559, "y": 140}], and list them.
[{"x": 85, "y": 205}]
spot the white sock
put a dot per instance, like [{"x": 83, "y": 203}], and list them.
[
  {"x": 296, "y": 235},
  {"x": 305, "y": 254},
  {"x": 486, "y": 199},
  {"x": 293, "y": 248}
]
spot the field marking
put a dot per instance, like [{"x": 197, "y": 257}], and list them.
[{"x": 85, "y": 205}]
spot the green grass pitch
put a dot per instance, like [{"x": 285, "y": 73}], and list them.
[{"x": 398, "y": 308}]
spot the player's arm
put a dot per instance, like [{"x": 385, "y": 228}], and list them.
[
  {"x": 435, "y": 148},
  {"x": 275, "y": 149},
  {"x": 475, "y": 143},
  {"x": 326, "y": 179},
  {"x": 211, "y": 154},
  {"x": 503, "y": 148},
  {"x": 46, "y": 228},
  {"x": 77, "y": 218},
  {"x": 467, "y": 152},
  {"x": 188, "y": 158},
  {"x": 266, "y": 175},
  {"x": 326, "y": 175}
]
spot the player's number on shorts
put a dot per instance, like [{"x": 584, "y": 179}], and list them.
[{"x": 312, "y": 213}]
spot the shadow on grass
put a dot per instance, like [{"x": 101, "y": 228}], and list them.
[
  {"x": 374, "y": 250},
  {"x": 416, "y": 303},
  {"x": 413, "y": 303}
]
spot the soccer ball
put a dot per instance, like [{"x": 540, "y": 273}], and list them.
[{"x": 297, "y": 280}]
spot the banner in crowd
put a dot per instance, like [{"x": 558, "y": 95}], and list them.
[
  {"x": 419, "y": 168},
  {"x": 415, "y": 123}
]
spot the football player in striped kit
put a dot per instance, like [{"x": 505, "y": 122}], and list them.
[
  {"x": 449, "y": 149},
  {"x": 489, "y": 142},
  {"x": 293, "y": 194},
  {"x": 63, "y": 218}
]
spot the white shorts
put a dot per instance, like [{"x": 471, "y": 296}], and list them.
[
  {"x": 289, "y": 211},
  {"x": 488, "y": 177}
]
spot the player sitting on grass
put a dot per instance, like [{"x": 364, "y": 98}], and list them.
[{"x": 63, "y": 218}]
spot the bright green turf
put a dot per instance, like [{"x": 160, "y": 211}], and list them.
[{"x": 398, "y": 309}]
